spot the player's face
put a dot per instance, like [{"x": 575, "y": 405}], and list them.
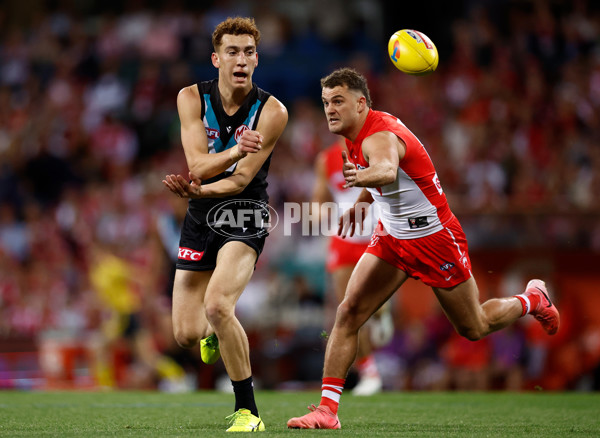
[
  {"x": 236, "y": 60},
  {"x": 341, "y": 107}
]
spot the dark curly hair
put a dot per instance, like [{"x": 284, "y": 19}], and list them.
[{"x": 350, "y": 78}]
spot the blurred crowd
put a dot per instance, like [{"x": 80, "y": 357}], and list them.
[{"x": 89, "y": 127}]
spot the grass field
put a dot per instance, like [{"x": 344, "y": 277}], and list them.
[{"x": 201, "y": 414}]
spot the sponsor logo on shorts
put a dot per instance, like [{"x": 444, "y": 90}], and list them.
[
  {"x": 190, "y": 254},
  {"x": 252, "y": 218},
  {"x": 447, "y": 266}
]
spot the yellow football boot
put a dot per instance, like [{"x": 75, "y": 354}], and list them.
[
  {"x": 243, "y": 421},
  {"x": 209, "y": 349}
]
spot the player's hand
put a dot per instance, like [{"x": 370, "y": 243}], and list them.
[
  {"x": 184, "y": 188},
  {"x": 250, "y": 142},
  {"x": 350, "y": 221},
  {"x": 349, "y": 170}
]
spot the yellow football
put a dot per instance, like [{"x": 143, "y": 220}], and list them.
[{"x": 413, "y": 52}]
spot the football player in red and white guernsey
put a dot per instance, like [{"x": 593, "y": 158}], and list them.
[
  {"x": 342, "y": 256},
  {"x": 417, "y": 236}
]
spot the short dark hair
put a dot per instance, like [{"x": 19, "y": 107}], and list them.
[
  {"x": 350, "y": 78},
  {"x": 235, "y": 26}
]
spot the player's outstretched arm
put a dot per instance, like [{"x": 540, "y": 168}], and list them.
[
  {"x": 195, "y": 142},
  {"x": 383, "y": 150}
]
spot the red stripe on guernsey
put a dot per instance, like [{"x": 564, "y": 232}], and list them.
[
  {"x": 189, "y": 254},
  {"x": 416, "y": 162}
]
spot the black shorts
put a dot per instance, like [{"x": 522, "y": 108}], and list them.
[{"x": 200, "y": 244}]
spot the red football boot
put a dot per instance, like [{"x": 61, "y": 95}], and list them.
[
  {"x": 320, "y": 417},
  {"x": 545, "y": 312}
]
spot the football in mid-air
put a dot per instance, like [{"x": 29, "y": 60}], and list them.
[{"x": 413, "y": 52}]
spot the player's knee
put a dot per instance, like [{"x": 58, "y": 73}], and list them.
[
  {"x": 185, "y": 339},
  {"x": 471, "y": 333},
  {"x": 216, "y": 313},
  {"x": 348, "y": 315}
]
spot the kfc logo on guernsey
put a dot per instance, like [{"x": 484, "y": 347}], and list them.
[
  {"x": 213, "y": 134},
  {"x": 190, "y": 254},
  {"x": 239, "y": 132}
]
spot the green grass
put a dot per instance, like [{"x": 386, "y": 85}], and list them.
[{"x": 201, "y": 414}]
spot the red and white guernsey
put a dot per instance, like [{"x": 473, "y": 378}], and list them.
[
  {"x": 345, "y": 198},
  {"x": 414, "y": 205}
]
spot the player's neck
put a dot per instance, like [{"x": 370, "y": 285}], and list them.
[
  {"x": 357, "y": 127},
  {"x": 233, "y": 98}
]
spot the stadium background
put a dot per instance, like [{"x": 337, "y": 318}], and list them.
[{"x": 88, "y": 128}]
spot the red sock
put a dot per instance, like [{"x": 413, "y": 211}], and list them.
[
  {"x": 524, "y": 303},
  {"x": 534, "y": 299},
  {"x": 529, "y": 300},
  {"x": 331, "y": 391}
]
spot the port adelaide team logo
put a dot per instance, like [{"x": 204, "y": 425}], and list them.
[{"x": 252, "y": 218}]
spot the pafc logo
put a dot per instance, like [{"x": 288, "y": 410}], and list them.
[{"x": 253, "y": 218}]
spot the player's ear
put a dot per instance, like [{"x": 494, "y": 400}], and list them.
[
  {"x": 361, "y": 104},
  {"x": 215, "y": 59}
]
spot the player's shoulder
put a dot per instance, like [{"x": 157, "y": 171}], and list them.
[
  {"x": 190, "y": 90},
  {"x": 379, "y": 120},
  {"x": 381, "y": 125},
  {"x": 188, "y": 98},
  {"x": 274, "y": 105},
  {"x": 275, "y": 111}
]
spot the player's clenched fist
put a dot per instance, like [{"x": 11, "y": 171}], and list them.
[{"x": 250, "y": 142}]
